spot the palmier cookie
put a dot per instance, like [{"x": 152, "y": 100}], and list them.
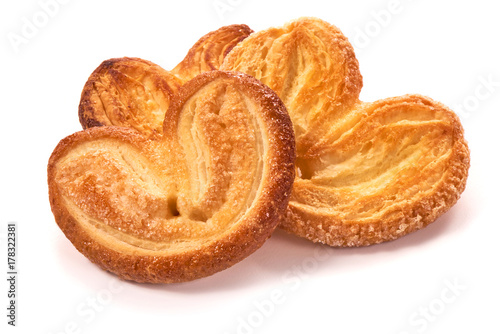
[
  {"x": 136, "y": 93},
  {"x": 366, "y": 172},
  {"x": 195, "y": 202}
]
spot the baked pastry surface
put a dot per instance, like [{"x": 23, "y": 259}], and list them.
[
  {"x": 132, "y": 92},
  {"x": 196, "y": 201},
  {"x": 366, "y": 172},
  {"x": 208, "y": 53}
]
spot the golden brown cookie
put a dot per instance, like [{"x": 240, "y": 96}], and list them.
[
  {"x": 366, "y": 172},
  {"x": 135, "y": 93},
  {"x": 196, "y": 201}
]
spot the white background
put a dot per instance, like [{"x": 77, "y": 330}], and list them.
[{"x": 448, "y": 50}]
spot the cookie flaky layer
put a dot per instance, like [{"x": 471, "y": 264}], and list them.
[
  {"x": 366, "y": 172},
  {"x": 136, "y": 93},
  {"x": 195, "y": 202}
]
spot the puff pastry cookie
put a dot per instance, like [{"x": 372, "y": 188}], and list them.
[
  {"x": 366, "y": 172},
  {"x": 136, "y": 93},
  {"x": 196, "y": 201}
]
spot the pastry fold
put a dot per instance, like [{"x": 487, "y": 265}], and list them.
[
  {"x": 135, "y": 93},
  {"x": 193, "y": 202},
  {"x": 366, "y": 172}
]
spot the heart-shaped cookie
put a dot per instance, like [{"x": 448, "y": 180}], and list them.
[
  {"x": 197, "y": 200},
  {"x": 136, "y": 93},
  {"x": 366, "y": 172}
]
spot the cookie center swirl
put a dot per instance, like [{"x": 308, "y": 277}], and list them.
[{"x": 223, "y": 148}]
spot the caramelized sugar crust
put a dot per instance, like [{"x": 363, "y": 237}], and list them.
[
  {"x": 196, "y": 201},
  {"x": 366, "y": 172}
]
